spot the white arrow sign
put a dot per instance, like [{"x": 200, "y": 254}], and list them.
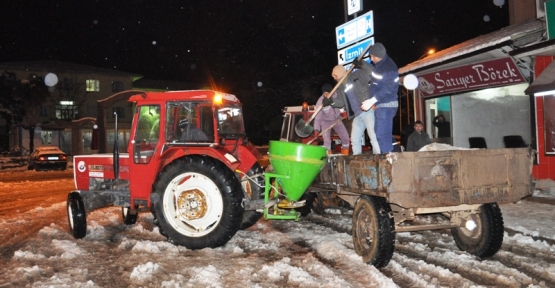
[{"x": 355, "y": 30}]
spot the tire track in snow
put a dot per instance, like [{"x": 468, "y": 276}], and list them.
[
  {"x": 429, "y": 273},
  {"x": 334, "y": 248},
  {"x": 531, "y": 260},
  {"x": 533, "y": 268},
  {"x": 499, "y": 272},
  {"x": 481, "y": 272},
  {"x": 290, "y": 255}
]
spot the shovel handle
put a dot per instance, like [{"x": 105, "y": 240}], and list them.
[
  {"x": 314, "y": 114},
  {"x": 338, "y": 84},
  {"x": 349, "y": 71},
  {"x": 326, "y": 130}
]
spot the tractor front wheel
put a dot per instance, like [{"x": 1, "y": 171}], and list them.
[
  {"x": 76, "y": 215},
  {"x": 197, "y": 202}
]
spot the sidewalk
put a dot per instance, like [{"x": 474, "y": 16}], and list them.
[{"x": 544, "y": 192}]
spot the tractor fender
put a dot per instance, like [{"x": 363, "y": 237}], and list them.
[{"x": 175, "y": 152}]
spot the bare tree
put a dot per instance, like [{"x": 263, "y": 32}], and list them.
[
  {"x": 21, "y": 101},
  {"x": 69, "y": 96}
]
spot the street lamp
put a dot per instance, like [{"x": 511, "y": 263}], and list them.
[{"x": 428, "y": 53}]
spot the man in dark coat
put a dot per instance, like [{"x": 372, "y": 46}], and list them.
[
  {"x": 190, "y": 132},
  {"x": 418, "y": 138},
  {"x": 443, "y": 127},
  {"x": 384, "y": 84}
]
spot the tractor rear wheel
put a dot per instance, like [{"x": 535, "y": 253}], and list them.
[
  {"x": 76, "y": 215},
  {"x": 373, "y": 230},
  {"x": 197, "y": 202},
  {"x": 486, "y": 239},
  {"x": 254, "y": 189}
]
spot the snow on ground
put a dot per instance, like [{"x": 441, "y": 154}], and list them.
[
  {"x": 314, "y": 252},
  {"x": 271, "y": 254}
]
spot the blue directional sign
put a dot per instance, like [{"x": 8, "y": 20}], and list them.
[
  {"x": 349, "y": 54},
  {"x": 355, "y": 30}
]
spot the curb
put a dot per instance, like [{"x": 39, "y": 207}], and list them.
[{"x": 543, "y": 200}]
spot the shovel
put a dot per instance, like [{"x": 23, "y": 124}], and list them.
[
  {"x": 304, "y": 129},
  {"x": 326, "y": 130}
]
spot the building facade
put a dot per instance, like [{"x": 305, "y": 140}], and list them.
[{"x": 72, "y": 104}]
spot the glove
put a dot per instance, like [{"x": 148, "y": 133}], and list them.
[
  {"x": 357, "y": 63},
  {"x": 367, "y": 104},
  {"x": 327, "y": 102}
]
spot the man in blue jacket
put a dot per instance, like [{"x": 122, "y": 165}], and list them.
[{"x": 384, "y": 84}]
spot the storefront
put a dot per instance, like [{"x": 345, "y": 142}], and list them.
[
  {"x": 495, "y": 91},
  {"x": 481, "y": 104}
]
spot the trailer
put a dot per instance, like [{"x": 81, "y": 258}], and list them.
[{"x": 392, "y": 193}]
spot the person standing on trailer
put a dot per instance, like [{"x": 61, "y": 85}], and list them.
[
  {"x": 351, "y": 93},
  {"x": 384, "y": 85},
  {"x": 327, "y": 116}
]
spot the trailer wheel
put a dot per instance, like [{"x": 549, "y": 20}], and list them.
[
  {"x": 198, "y": 202},
  {"x": 128, "y": 218},
  {"x": 254, "y": 189},
  {"x": 486, "y": 239},
  {"x": 373, "y": 230},
  {"x": 76, "y": 215}
]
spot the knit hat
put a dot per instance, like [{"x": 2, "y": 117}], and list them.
[
  {"x": 326, "y": 87},
  {"x": 377, "y": 50}
]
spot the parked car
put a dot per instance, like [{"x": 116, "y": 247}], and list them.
[{"x": 47, "y": 158}]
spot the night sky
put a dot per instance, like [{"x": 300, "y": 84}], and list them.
[{"x": 280, "y": 49}]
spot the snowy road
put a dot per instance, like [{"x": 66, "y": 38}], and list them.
[{"x": 36, "y": 250}]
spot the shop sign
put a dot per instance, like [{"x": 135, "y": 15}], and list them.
[{"x": 482, "y": 75}]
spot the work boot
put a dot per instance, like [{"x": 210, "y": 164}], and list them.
[{"x": 345, "y": 151}]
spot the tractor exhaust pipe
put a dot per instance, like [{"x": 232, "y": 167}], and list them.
[{"x": 116, "y": 148}]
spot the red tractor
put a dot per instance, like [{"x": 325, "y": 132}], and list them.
[{"x": 188, "y": 162}]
